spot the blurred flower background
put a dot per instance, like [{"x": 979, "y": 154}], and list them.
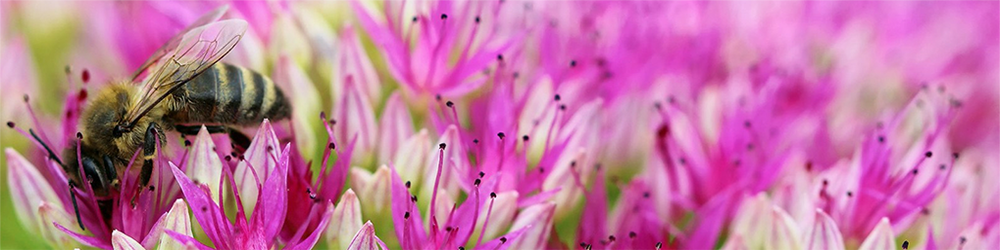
[{"x": 536, "y": 124}]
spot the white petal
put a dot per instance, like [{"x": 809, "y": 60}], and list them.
[
  {"x": 765, "y": 226},
  {"x": 396, "y": 127},
  {"x": 366, "y": 239},
  {"x": 203, "y": 163},
  {"x": 261, "y": 160},
  {"x": 881, "y": 237},
  {"x": 178, "y": 219},
  {"x": 28, "y": 190},
  {"x": 49, "y": 214},
  {"x": 504, "y": 207},
  {"x": 374, "y": 190},
  {"x": 824, "y": 234},
  {"x": 304, "y": 98},
  {"x": 570, "y": 166},
  {"x": 120, "y": 241},
  {"x": 412, "y": 155},
  {"x": 539, "y": 217},
  {"x": 346, "y": 221}
]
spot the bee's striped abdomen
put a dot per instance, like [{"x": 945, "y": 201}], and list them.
[{"x": 230, "y": 95}]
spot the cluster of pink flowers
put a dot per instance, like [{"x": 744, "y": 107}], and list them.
[{"x": 547, "y": 125}]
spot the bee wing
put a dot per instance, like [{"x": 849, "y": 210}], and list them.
[
  {"x": 175, "y": 41},
  {"x": 196, "y": 51}
]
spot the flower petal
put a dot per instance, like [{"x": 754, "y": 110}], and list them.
[
  {"x": 49, "y": 214},
  {"x": 824, "y": 233},
  {"x": 504, "y": 207},
  {"x": 765, "y": 226},
  {"x": 212, "y": 221},
  {"x": 356, "y": 118},
  {"x": 120, "y": 241},
  {"x": 297, "y": 83},
  {"x": 366, "y": 239},
  {"x": 881, "y": 237},
  {"x": 375, "y": 189},
  {"x": 346, "y": 220},
  {"x": 28, "y": 190},
  {"x": 177, "y": 219},
  {"x": 539, "y": 218},
  {"x": 257, "y": 156},
  {"x": 203, "y": 163},
  {"x": 412, "y": 156},
  {"x": 396, "y": 127}
]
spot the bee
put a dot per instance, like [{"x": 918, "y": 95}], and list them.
[{"x": 187, "y": 87}]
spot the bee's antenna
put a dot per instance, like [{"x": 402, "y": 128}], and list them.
[
  {"x": 72, "y": 197},
  {"x": 47, "y": 149}
]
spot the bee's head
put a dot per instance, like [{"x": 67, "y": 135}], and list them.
[{"x": 98, "y": 169}]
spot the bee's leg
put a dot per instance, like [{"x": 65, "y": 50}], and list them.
[
  {"x": 72, "y": 197},
  {"x": 241, "y": 141},
  {"x": 153, "y": 135}
]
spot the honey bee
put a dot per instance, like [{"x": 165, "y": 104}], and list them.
[{"x": 187, "y": 87}]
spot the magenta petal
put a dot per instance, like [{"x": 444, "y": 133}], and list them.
[
  {"x": 409, "y": 231},
  {"x": 310, "y": 241},
  {"x": 504, "y": 242},
  {"x": 273, "y": 200},
  {"x": 208, "y": 214},
  {"x": 86, "y": 240},
  {"x": 187, "y": 240}
]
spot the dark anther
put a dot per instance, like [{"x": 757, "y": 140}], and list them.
[
  {"x": 572, "y": 63},
  {"x": 322, "y": 115},
  {"x": 881, "y": 138},
  {"x": 407, "y": 184},
  {"x": 657, "y": 105},
  {"x": 25, "y": 97},
  {"x": 461, "y": 248},
  {"x": 448, "y": 229},
  {"x": 961, "y": 240},
  {"x": 645, "y": 195},
  {"x": 444, "y": 16},
  {"x": 152, "y": 188},
  {"x": 631, "y": 234},
  {"x": 270, "y": 148},
  {"x": 241, "y": 158},
  {"x": 611, "y": 238},
  {"x": 187, "y": 143},
  {"x": 414, "y": 19},
  {"x": 925, "y": 211},
  {"x": 541, "y": 169},
  {"x": 500, "y": 57},
  {"x": 583, "y": 244},
  {"x": 79, "y": 135},
  {"x": 203, "y": 208},
  {"x": 477, "y": 182},
  {"x": 10, "y": 124},
  {"x": 517, "y": 74},
  {"x": 82, "y": 95},
  {"x": 943, "y": 166},
  {"x": 493, "y": 195},
  {"x": 437, "y": 97},
  {"x": 746, "y": 124},
  {"x": 477, "y": 19},
  {"x": 233, "y": 153},
  {"x": 659, "y": 245},
  {"x": 954, "y": 155},
  {"x": 826, "y": 182},
  {"x": 914, "y": 171},
  {"x": 525, "y": 137},
  {"x": 562, "y": 107},
  {"x": 558, "y": 97},
  {"x": 481, "y": 174},
  {"x": 475, "y": 141},
  {"x": 449, "y": 104},
  {"x": 809, "y": 165},
  {"x": 413, "y": 198},
  {"x": 406, "y": 215},
  {"x": 442, "y": 145},
  {"x": 572, "y": 164},
  {"x": 229, "y": 158},
  {"x": 501, "y": 135},
  {"x": 503, "y": 240},
  {"x": 85, "y": 76},
  {"x": 849, "y": 194},
  {"x": 928, "y": 154},
  {"x": 906, "y": 244},
  {"x": 332, "y": 145}
]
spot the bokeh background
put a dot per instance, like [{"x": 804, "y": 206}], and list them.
[{"x": 870, "y": 57}]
